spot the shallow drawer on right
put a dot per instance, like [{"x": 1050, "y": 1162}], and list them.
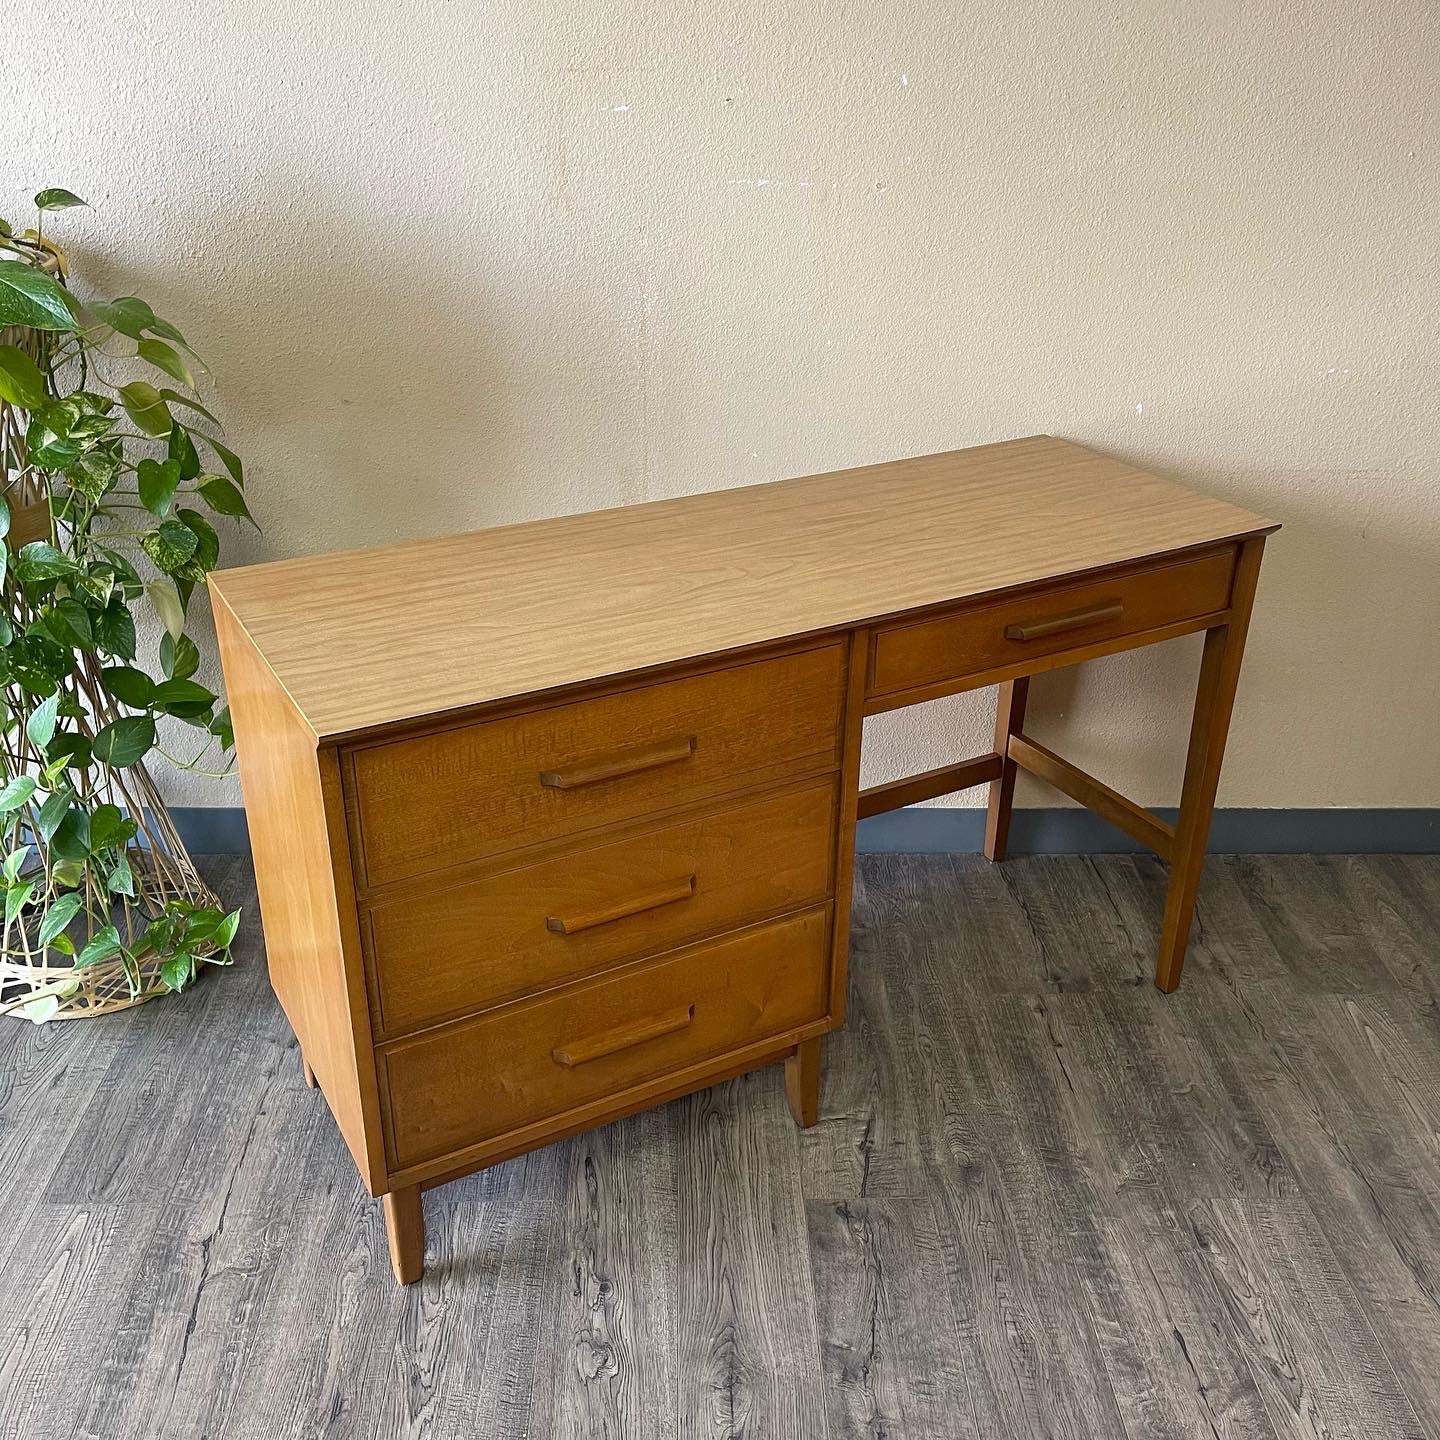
[{"x": 1047, "y": 622}]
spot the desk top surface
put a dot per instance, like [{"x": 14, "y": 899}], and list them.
[{"x": 367, "y": 638}]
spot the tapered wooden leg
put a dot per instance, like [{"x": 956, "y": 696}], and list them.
[
  {"x": 1009, "y": 719},
  {"x": 405, "y": 1229},
  {"x": 305, "y": 1070},
  {"x": 802, "y": 1083},
  {"x": 1214, "y": 701}
]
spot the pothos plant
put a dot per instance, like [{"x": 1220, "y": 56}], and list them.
[{"x": 106, "y": 506}]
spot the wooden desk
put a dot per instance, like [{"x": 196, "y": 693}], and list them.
[{"x": 556, "y": 821}]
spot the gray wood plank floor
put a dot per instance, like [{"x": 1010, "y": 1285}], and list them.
[{"x": 1042, "y": 1199}]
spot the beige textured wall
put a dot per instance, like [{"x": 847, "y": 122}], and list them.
[{"x": 463, "y": 264}]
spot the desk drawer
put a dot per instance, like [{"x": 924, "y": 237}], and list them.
[
  {"x": 971, "y": 642},
  {"x": 479, "y": 790},
  {"x": 441, "y": 953},
  {"x": 486, "y": 1077}
]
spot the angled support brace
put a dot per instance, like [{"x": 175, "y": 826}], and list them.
[{"x": 1136, "y": 821}]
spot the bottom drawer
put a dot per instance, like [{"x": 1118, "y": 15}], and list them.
[{"x": 482, "y": 1078}]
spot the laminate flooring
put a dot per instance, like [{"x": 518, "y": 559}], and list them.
[{"x": 1042, "y": 1198}]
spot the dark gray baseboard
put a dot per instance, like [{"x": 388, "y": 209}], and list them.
[
  {"x": 212, "y": 830},
  {"x": 1057, "y": 831},
  {"x": 221, "y": 831}
]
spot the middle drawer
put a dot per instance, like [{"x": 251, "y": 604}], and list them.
[{"x": 448, "y": 952}]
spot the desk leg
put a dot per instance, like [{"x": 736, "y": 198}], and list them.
[
  {"x": 802, "y": 1083},
  {"x": 405, "y": 1230},
  {"x": 1009, "y": 720},
  {"x": 1214, "y": 701}
]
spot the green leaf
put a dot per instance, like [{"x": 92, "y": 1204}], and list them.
[
  {"x": 104, "y": 944},
  {"x": 115, "y": 629},
  {"x": 16, "y": 793},
  {"x": 40, "y": 560},
  {"x": 167, "y": 331},
  {"x": 122, "y": 567},
  {"x": 69, "y": 622},
  {"x": 146, "y": 407},
  {"x": 41, "y": 1009},
  {"x": 31, "y": 298},
  {"x": 94, "y": 473},
  {"x": 165, "y": 357},
  {"x": 225, "y": 930},
  {"x": 15, "y": 863},
  {"x": 57, "y": 199},
  {"x": 201, "y": 924},
  {"x": 122, "y": 742},
  {"x": 37, "y": 664},
  {"x": 222, "y": 728},
  {"x": 109, "y": 826},
  {"x": 69, "y": 873},
  {"x": 159, "y": 934},
  {"x": 224, "y": 497},
  {"x": 60, "y": 431},
  {"x": 181, "y": 450},
  {"x": 183, "y": 698},
  {"x": 132, "y": 316},
  {"x": 59, "y": 915},
  {"x": 170, "y": 546},
  {"x": 69, "y": 752},
  {"x": 17, "y": 897},
  {"x": 179, "y": 659},
  {"x": 98, "y": 583},
  {"x": 4, "y": 517},
  {"x": 228, "y": 458},
  {"x": 21, "y": 382},
  {"x": 128, "y": 315},
  {"x": 207, "y": 543},
  {"x": 71, "y": 840},
  {"x": 178, "y": 970},
  {"x": 166, "y": 600},
  {"x": 50, "y": 815},
  {"x": 129, "y": 686},
  {"x": 176, "y": 397},
  {"x": 157, "y": 483},
  {"x": 122, "y": 878},
  {"x": 41, "y": 724}
]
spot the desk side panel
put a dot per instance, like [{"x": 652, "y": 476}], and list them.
[{"x": 295, "y": 813}]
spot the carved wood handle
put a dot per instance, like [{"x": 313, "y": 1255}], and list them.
[
  {"x": 1076, "y": 620},
  {"x": 620, "y": 763},
  {"x": 625, "y": 1037},
  {"x": 670, "y": 893}
]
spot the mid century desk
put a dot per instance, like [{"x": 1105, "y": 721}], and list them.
[{"x": 554, "y": 822}]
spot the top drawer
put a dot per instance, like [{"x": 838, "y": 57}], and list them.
[
  {"x": 478, "y": 790},
  {"x": 1047, "y": 622}
]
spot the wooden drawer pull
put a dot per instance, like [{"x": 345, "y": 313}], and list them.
[
  {"x": 625, "y": 1037},
  {"x": 1038, "y": 629},
  {"x": 622, "y": 762},
  {"x": 667, "y": 894}
]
